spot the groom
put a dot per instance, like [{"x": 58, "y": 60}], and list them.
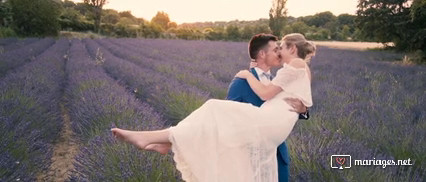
[{"x": 263, "y": 49}]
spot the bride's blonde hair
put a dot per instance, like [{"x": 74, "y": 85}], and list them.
[{"x": 305, "y": 49}]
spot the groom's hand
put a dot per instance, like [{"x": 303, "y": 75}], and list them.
[{"x": 296, "y": 104}]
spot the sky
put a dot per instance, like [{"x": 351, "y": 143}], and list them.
[{"x": 188, "y": 11}]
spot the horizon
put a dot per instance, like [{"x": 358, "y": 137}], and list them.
[{"x": 180, "y": 13}]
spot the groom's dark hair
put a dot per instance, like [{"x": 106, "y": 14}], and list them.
[{"x": 258, "y": 42}]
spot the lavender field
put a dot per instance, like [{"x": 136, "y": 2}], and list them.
[{"x": 365, "y": 105}]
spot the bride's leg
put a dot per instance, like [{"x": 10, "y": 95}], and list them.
[
  {"x": 141, "y": 139},
  {"x": 162, "y": 148}
]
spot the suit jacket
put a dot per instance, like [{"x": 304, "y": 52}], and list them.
[{"x": 239, "y": 90}]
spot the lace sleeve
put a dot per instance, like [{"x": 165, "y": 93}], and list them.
[
  {"x": 295, "y": 81},
  {"x": 287, "y": 75}
]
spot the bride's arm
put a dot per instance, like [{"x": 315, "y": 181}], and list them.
[{"x": 265, "y": 92}]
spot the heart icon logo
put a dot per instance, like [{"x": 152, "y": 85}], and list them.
[{"x": 340, "y": 160}]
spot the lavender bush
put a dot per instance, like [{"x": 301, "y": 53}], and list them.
[
  {"x": 10, "y": 44},
  {"x": 213, "y": 59},
  {"x": 183, "y": 71},
  {"x": 29, "y": 114},
  {"x": 376, "y": 104},
  {"x": 366, "y": 105},
  {"x": 6, "y": 41},
  {"x": 12, "y": 59},
  {"x": 97, "y": 103},
  {"x": 174, "y": 98}
]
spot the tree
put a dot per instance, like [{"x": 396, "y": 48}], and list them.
[
  {"x": 418, "y": 19},
  {"x": 277, "y": 16},
  {"x": 71, "y": 14},
  {"x": 186, "y": 33},
  {"x": 125, "y": 21},
  {"x": 172, "y": 25},
  {"x": 83, "y": 8},
  {"x": 5, "y": 14},
  {"x": 97, "y": 6},
  {"x": 346, "y": 19},
  {"x": 68, "y": 4},
  {"x": 297, "y": 27},
  {"x": 321, "y": 19},
  {"x": 418, "y": 12},
  {"x": 36, "y": 17},
  {"x": 110, "y": 16},
  {"x": 150, "y": 30},
  {"x": 260, "y": 28},
  {"x": 399, "y": 21},
  {"x": 346, "y": 24},
  {"x": 127, "y": 14},
  {"x": 233, "y": 33},
  {"x": 247, "y": 32},
  {"x": 162, "y": 19},
  {"x": 382, "y": 20},
  {"x": 218, "y": 33},
  {"x": 346, "y": 32},
  {"x": 129, "y": 18},
  {"x": 124, "y": 28}
]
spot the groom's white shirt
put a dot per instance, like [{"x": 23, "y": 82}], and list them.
[{"x": 262, "y": 78}]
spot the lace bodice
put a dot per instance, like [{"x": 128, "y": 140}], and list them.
[{"x": 295, "y": 82}]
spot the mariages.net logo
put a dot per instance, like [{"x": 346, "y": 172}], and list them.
[
  {"x": 345, "y": 162},
  {"x": 341, "y": 161}
]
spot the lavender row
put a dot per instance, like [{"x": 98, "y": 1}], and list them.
[
  {"x": 18, "y": 57},
  {"x": 352, "y": 84},
  {"x": 96, "y": 103},
  {"x": 220, "y": 60},
  {"x": 13, "y": 43},
  {"x": 216, "y": 59},
  {"x": 376, "y": 102},
  {"x": 29, "y": 114},
  {"x": 311, "y": 158},
  {"x": 6, "y": 41},
  {"x": 96, "y": 99},
  {"x": 182, "y": 72},
  {"x": 173, "y": 98},
  {"x": 367, "y": 100},
  {"x": 354, "y": 93}
]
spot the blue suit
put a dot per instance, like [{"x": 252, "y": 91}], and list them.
[{"x": 239, "y": 90}]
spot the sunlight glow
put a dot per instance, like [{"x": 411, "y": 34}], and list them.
[{"x": 186, "y": 11}]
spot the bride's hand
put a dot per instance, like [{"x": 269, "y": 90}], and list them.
[
  {"x": 252, "y": 64},
  {"x": 243, "y": 74}
]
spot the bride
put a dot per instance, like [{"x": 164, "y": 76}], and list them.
[{"x": 233, "y": 141}]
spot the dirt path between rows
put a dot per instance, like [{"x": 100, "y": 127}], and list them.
[{"x": 64, "y": 152}]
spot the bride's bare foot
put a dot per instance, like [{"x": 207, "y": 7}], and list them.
[
  {"x": 160, "y": 148},
  {"x": 137, "y": 138}
]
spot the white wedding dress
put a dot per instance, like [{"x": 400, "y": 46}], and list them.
[{"x": 228, "y": 141}]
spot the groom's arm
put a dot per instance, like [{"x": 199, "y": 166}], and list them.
[{"x": 234, "y": 90}]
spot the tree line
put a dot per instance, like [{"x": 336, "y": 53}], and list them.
[
  {"x": 20, "y": 15},
  {"x": 402, "y": 22}
]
